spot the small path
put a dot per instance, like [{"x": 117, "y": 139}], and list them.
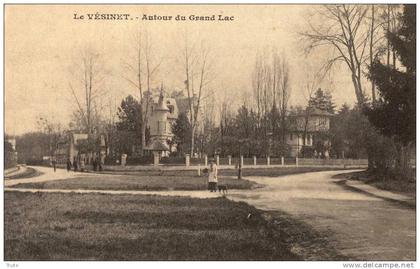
[
  {"x": 377, "y": 192},
  {"x": 15, "y": 171},
  {"x": 12, "y": 170},
  {"x": 48, "y": 174}
]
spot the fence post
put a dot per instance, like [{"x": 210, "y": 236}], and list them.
[
  {"x": 240, "y": 169},
  {"x": 155, "y": 158},
  {"x": 217, "y": 160},
  {"x": 230, "y": 160},
  {"x": 297, "y": 161},
  {"x": 282, "y": 160},
  {"x": 268, "y": 160},
  {"x": 255, "y": 160},
  {"x": 199, "y": 170},
  {"x": 187, "y": 160},
  {"x": 205, "y": 160},
  {"x": 242, "y": 161}
]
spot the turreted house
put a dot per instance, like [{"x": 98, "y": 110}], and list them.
[{"x": 163, "y": 113}]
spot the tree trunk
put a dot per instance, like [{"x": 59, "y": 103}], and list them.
[
  {"x": 388, "y": 30},
  {"x": 372, "y": 31},
  {"x": 358, "y": 90},
  {"x": 192, "y": 141},
  {"x": 143, "y": 137},
  {"x": 403, "y": 167}
]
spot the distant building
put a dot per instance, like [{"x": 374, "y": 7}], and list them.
[
  {"x": 164, "y": 112},
  {"x": 311, "y": 122},
  {"x": 69, "y": 147}
]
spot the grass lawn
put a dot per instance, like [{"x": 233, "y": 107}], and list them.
[
  {"x": 58, "y": 226},
  {"x": 278, "y": 171},
  {"x": 139, "y": 182}
]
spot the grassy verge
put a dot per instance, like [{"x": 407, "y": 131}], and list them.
[
  {"x": 384, "y": 182},
  {"x": 29, "y": 172},
  {"x": 279, "y": 171},
  {"x": 148, "y": 183},
  {"x": 133, "y": 227}
]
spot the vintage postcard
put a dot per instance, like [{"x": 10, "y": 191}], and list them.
[{"x": 210, "y": 132}]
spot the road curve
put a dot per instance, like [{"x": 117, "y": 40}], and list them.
[{"x": 360, "y": 226}]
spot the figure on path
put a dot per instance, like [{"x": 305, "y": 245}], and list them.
[
  {"x": 212, "y": 176},
  {"x": 95, "y": 164},
  {"x": 75, "y": 164},
  {"x": 68, "y": 165},
  {"x": 54, "y": 163}
]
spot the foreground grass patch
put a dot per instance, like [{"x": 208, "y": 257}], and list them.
[
  {"x": 132, "y": 227},
  {"x": 138, "y": 182}
]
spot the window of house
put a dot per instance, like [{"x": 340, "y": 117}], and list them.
[{"x": 323, "y": 121}]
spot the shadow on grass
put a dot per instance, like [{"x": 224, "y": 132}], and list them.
[{"x": 135, "y": 227}]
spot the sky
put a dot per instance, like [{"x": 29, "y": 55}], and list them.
[{"x": 43, "y": 45}]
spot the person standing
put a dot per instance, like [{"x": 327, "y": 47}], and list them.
[
  {"x": 99, "y": 164},
  {"x": 54, "y": 163},
  {"x": 68, "y": 165},
  {"x": 213, "y": 176},
  {"x": 75, "y": 164},
  {"x": 82, "y": 165},
  {"x": 95, "y": 164}
]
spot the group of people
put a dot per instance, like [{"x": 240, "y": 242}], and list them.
[{"x": 80, "y": 164}]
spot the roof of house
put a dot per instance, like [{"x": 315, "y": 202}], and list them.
[
  {"x": 157, "y": 145},
  {"x": 161, "y": 104},
  {"x": 313, "y": 111},
  {"x": 183, "y": 105}
]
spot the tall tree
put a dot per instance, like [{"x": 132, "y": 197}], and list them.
[
  {"x": 198, "y": 75},
  {"x": 394, "y": 114},
  {"x": 143, "y": 66},
  {"x": 87, "y": 87},
  {"x": 182, "y": 131},
  {"x": 129, "y": 114},
  {"x": 322, "y": 100},
  {"x": 271, "y": 93},
  {"x": 341, "y": 28}
]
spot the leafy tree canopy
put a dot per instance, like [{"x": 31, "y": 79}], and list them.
[
  {"x": 129, "y": 114},
  {"x": 322, "y": 100},
  {"x": 394, "y": 114}
]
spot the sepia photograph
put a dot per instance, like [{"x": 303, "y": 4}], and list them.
[{"x": 210, "y": 132}]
